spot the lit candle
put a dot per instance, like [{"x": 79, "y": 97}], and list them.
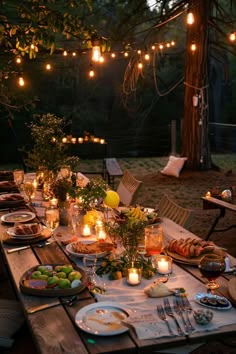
[
  {"x": 133, "y": 276},
  {"x": 35, "y": 184},
  {"x": 73, "y": 140},
  {"x": 102, "y": 141},
  {"x": 53, "y": 202},
  {"x": 80, "y": 140},
  {"x": 163, "y": 266},
  {"x": 101, "y": 235},
  {"x": 208, "y": 194},
  {"x": 86, "y": 230}
]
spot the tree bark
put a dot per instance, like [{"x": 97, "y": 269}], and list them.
[{"x": 195, "y": 140}]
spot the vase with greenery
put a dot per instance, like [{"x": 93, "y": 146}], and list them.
[{"x": 61, "y": 188}]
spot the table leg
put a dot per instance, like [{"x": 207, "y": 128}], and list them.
[{"x": 221, "y": 215}]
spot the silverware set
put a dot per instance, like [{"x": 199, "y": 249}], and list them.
[{"x": 180, "y": 309}]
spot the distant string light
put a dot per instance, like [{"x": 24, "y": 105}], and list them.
[
  {"x": 193, "y": 47},
  {"x": 91, "y": 72},
  {"x": 48, "y": 66},
  {"x": 190, "y": 18},
  {"x": 232, "y": 36},
  {"x": 21, "y": 81}
]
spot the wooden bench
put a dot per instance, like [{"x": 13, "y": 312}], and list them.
[{"x": 111, "y": 169}]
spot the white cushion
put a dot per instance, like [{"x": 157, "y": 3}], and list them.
[{"x": 174, "y": 166}]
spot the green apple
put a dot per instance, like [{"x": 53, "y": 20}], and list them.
[
  {"x": 67, "y": 268},
  {"x": 36, "y": 274},
  {"x": 58, "y": 268},
  {"x": 41, "y": 268},
  {"x": 49, "y": 273},
  {"x": 52, "y": 281},
  {"x": 74, "y": 275},
  {"x": 61, "y": 275},
  {"x": 64, "y": 283}
]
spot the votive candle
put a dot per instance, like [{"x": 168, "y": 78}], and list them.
[
  {"x": 86, "y": 230},
  {"x": 134, "y": 276}
]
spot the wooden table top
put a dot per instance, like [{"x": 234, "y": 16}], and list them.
[
  {"x": 220, "y": 203},
  {"x": 54, "y": 329}
]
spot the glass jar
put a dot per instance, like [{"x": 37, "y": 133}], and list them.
[{"x": 153, "y": 239}]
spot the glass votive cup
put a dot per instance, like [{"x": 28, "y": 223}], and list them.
[
  {"x": 85, "y": 230},
  {"x": 134, "y": 273},
  {"x": 163, "y": 264}
]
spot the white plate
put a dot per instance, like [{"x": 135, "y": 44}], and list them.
[
  {"x": 69, "y": 248},
  {"x": 10, "y": 232},
  {"x": 200, "y": 296},
  {"x": 18, "y": 216},
  {"x": 102, "y": 318}
]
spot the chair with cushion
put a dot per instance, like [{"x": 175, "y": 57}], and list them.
[
  {"x": 127, "y": 188},
  {"x": 168, "y": 208}
]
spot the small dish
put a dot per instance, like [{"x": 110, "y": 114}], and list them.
[
  {"x": 213, "y": 301},
  {"x": 203, "y": 317},
  {"x": 11, "y": 233},
  {"x": 99, "y": 254}
]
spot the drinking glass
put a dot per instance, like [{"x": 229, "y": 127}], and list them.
[
  {"x": 153, "y": 239},
  {"x": 18, "y": 177},
  {"x": 95, "y": 283},
  {"x": 29, "y": 189},
  {"x": 212, "y": 266},
  {"x": 52, "y": 218}
]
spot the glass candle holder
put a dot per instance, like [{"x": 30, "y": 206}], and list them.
[
  {"x": 163, "y": 264},
  {"x": 85, "y": 230},
  {"x": 134, "y": 273}
]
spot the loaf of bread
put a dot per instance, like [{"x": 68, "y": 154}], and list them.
[
  {"x": 91, "y": 248},
  {"x": 26, "y": 229},
  {"x": 191, "y": 247}
]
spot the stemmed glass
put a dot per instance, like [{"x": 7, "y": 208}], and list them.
[
  {"x": 29, "y": 189},
  {"x": 95, "y": 284},
  {"x": 212, "y": 266},
  {"x": 52, "y": 218},
  {"x": 18, "y": 176}
]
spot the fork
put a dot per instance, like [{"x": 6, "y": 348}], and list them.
[
  {"x": 179, "y": 312},
  {"x": 161, "y": 314},
  {"x": 170, "y": 313},
  {"x": 187, "y": 308}
]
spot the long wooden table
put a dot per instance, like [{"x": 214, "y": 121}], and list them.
[
  {"x": 54, "y": 329},
  {"x": 215, "y": 203}
]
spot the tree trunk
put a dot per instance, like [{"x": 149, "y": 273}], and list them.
[{"x": 195, "y": 141}]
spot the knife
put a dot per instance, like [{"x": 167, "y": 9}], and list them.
[
  {"x": 34, "y": 309},
  {"x": 18, "y": 249}
]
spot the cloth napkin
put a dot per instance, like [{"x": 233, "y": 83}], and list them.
[{"x": 142, "y": 308}]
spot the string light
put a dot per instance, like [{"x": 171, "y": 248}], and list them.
[
  {"x": 161, "y": 46},
  {"x": 91, "y": 72},
  {"x": 139, "y": 51},
  {"x": 232, "y": 36},
  {"x": 73, "y": 54},
  {"x": 48, "y": 66},
  {"x": 113, "y": 55},
  {"x": 21, "y": 81},
  {"x": 126, "y": 54},
  {"x": 168, "y": 45},
  {"x": 190, "y": 17},
  {"x": 147, "y": 57},
  {"x": 140, "y": 65},
  {"x": 65, "y": 53},
  {"x": 153, "y": 47},
  {"x": 101, "y": 59},
  {"x": 172, "y": 43},
  {"x": 193, "y": 47},
  {"x": 18, "y": 60}
]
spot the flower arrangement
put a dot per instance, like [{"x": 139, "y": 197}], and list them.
[
  {"x": 61, "y": 188},
  {"x": 91, "y": 195},
  {"x": 128, "y": 225}
]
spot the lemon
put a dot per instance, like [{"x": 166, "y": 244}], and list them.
[
  {"x": 90, "y": 217},
  {"x": 112, "y": 199}
]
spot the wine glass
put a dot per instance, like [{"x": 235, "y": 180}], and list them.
[
  {"x": 18, "y": 176},
  {"x": 29, "y": 190},
  {"x": 212, "y": 266},
  {"x": 52, "y": 218},
  {"x": 95, "y": 284}
]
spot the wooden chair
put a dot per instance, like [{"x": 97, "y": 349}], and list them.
[
  {"x": 128, "y": 187},
  {"x": 182, "y": 216}
]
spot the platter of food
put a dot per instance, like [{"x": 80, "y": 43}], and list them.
[
  {"x": 53, "y": 280},
  {"x": 102, "y": 318},
  {"x": 22, "y": 240},
  {"x": 18, "y": 216},
  {"x": 213, "y": 301},
  {"x": 190, "y": 251},
  {"x": 11, "y": 199},
  {"x": 89, "y": 248},
  {"x": 25, "y": 231}
]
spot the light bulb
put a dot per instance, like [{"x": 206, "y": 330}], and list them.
[
  {"x": 113, "y": 55},
  {"x": 126, "y": 54},
  {"x": 193, "y": 47},
  {"x": 172, "y": 43},
  {"x": 74, "y": 54},
  {"x": 161, "y": 46},
  {"x": 190, "y": 18},
  {"x": 232, "y": 36},
  {"x": 91, "y": 73},
  {"x": 101, "y": 59},
  {"x": 18, "y": 60},
  {"x": 48, "y": 66},
  {"x": 147, "y": 56},
  {"x": 153, "y": 47},
  {"x": 65, "y": 53},
  {"x": 21, "y": 81},
  {"x": 140, "y": 65}
]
